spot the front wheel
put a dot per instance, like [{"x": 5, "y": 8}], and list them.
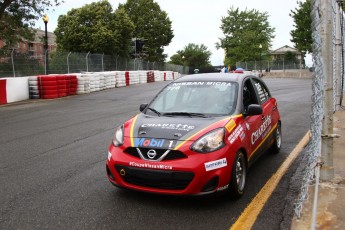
[{"x": 238, "y": 175}]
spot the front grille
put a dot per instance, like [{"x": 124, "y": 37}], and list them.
[
  {"x": 171, "y": 155},
  {"x": 172, "y": 180}
]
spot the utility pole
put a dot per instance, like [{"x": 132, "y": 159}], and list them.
[{"x": 327, "y": 169}]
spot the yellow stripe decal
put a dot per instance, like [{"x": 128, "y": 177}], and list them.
[
  {"x": 183, "y": 142},
  {"x": 132, "y": 130},
  {"x": 262, "y": 141},
  {"x": 250, "y": 214}
]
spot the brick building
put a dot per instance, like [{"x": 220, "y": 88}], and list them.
[{"x": 35, "y": 48}]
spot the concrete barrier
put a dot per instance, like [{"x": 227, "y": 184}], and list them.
[
  {"x": 61, "y": 85},
  {"x": 14, "y": 89},
  {"x": 3, "y": 94},
  {"x": 289, "y": 74}
]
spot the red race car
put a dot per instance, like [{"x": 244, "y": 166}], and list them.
[{"x": 197, "y": 136}]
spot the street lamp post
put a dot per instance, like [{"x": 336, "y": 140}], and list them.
[
  {"x": 45, "y": 20},
  {"x": 183, "y": 65}
]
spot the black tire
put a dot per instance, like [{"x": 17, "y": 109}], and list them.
[
  {"x": 277, "y": 143},
  {"x": 238, "y": 176}
]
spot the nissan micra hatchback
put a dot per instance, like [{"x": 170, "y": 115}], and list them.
[{"x": 197, "y": 136}]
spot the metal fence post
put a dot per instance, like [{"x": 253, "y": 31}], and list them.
[
  {"x": 327, "y": 170},
  {"x": 102, "y": 62},
  {"x": 87, "y": 64},
  {"x": 68, "y": 61},
  {"x": 14, "y": 72}
]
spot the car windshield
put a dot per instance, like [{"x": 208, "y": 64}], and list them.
[{"x": 200, "y": 99}]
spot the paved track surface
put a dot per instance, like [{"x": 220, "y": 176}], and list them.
[{"x": 52, "y": 166}]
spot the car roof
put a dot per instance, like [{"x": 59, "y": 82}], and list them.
[{"x": 227, "y": 77}]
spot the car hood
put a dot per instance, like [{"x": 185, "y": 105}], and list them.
[{"x": 172, "y": 128}]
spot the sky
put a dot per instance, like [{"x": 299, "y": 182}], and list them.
[{"x": 199, "y": 21}]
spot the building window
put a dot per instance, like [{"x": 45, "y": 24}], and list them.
[{"x": 31, "y": 46}]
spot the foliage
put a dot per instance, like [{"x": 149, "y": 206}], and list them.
[
  {"x": 95, "y": 28},
  {"x": 24, "y": 65},
  {"x": 152, "y": 25},
  {"x": 193, "y": 55},
  {"x": 290, "y": 57},
  {"x": 176, "y": 59},
  {"x": 58, "y": 62},
  {"x": 288, "y": 60},
  {"x": 17, "y": 17},
  {"x": 244, "y": 32},
  {"x": 302, "y": 34}
]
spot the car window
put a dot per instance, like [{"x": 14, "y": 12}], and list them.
[
  {"x": 168, "y": 98},
  {"x": 215, "y": 98},
  {"x": 262, "y": 90},
  {"x": 249, "y": 95}
]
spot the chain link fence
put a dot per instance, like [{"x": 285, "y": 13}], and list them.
[
  {"x": 13, "y": 64},
  {"x": 267, "y": 66},
  {"x": 328, "y": 57}
]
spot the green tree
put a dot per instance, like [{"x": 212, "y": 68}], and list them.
[
  {"x": 290, "y": 57},
  {"x": 301, "y": 35},
  {"x": 244, "y": 32},
  {"x": 193, "y": 55},
  {"x": 95, "y": 28},
  {"x": 176, "y": 59},
  {"x": 151, "y": 24},
  {"x": 18, "y": 17}
]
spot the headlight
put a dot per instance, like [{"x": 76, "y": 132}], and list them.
[
  {"x": 210, "y": 142},
  {"x": 118, "y": 137}
]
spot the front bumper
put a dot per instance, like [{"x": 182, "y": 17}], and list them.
[{"x": 197, "y": 174}]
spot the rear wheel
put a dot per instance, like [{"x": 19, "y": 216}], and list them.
[
  {"x": 275, "y": 148},
  {"x": 238, "y": 175}
]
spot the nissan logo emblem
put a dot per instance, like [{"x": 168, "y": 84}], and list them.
[{"x": 151, "y": 153}]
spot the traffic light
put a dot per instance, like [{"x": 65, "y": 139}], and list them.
[{"x": 139, "y": 45}]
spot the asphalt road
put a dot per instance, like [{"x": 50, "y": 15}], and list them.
[{"x": 52, "y": 166}]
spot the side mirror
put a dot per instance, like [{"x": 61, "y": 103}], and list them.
[
  {"x": 142, "y": 107},
  {"x": 253, "y": 110}
]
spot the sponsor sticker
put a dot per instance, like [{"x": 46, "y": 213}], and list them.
[
  {"x": 230, "y": 125},
  {"x": 180, "y": 127},
  {"x": 235, "y": 134},
  {"x": 150, "y": 166},
  {"x": 242, "y": 136},
  {"x": 212, "y": 165},
  {"x": 262, "y": 130},
  {"x": 201, "y": 83},
  {"x": 172, "y": 88},
  {"x": 154, "y": 143}
]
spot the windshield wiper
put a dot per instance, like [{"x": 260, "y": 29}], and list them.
[
  {"x": 184, "y": 114},
  {"x": 155, "y": 111}
]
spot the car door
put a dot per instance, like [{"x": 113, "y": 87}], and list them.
[
  {"x": 251, "y": 124},
  {"x": 269, "y": 117}
]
